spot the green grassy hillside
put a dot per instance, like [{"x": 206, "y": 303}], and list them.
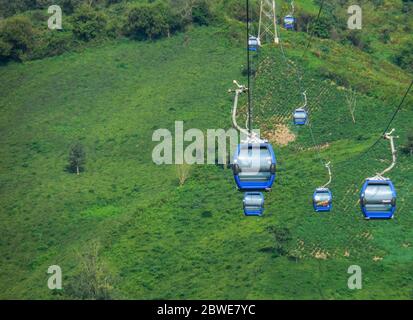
[{"x": 160, "y": 240}]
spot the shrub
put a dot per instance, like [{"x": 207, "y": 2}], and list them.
[
  {"x": 282, "y": 238},
  {"x": 51, "y": 44},
  {"x": 404, "y": 58},
  {"x": 407, "y": 6},
  {"x": 236, "y": 9},
  {"x": 9, "y": 8},
  {"x": 69, "y": 6},
  {"x": 322, "y": 28},
  {"x": 303, "y": 21},
  {"x": 253, "y": 70},
  {"x": 5, "y": 50},
  {"x": 176, "y": 19},
  {"x": 385, "y": 36},
  {"x": 355, "y": 38},
  {"x": 93, "y": 282},
  {"x": 408, "y": 146},
  {"x": 183, "y": 171},
  {"x": 180, "y": 11},
  {"x": 339, "y": 79},
  {"x": 16, "y": 38},
  {"x": 201, "y": 13},
  {"x": 110, "y": 2},
  {"x": 148, "y": 21},
  {"x": 88, "y": 23}
]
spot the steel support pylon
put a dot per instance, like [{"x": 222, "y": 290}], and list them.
[{"x": 268, "y": 22}]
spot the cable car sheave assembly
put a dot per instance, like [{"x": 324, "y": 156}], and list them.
[{"x": 254, "y": 164}]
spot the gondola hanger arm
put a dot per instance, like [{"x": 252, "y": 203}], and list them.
[
  {"x": 389, "y": 136},
  {"x": 328, "y": 166},
  {"x": 238, "y": 92},
  {"x": 244, "y": 88},
  {"x": 251, "y": 136},
  {"x": 305, "y": 100}
]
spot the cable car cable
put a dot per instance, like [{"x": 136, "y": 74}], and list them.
[
  {"x": 312, "y": 31},
  {"x": 388, "y": 125},
  {"x": 249, "y": 67},
  {"x": 398, "y": 109},
  {"x": 311, "y": 37},
  {"x": 300, "y": 75},
  {"x": 253, "y": 171},
  {"x": 249, "y": 70},
  {"x": 392, "y": 118},
  {"x": 287, "y": 62},
  {"x": 301, "y": 88},
  {"x": 316, "y": 146}
]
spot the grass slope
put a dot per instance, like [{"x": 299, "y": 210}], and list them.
[{"x": 164, "y": 241}]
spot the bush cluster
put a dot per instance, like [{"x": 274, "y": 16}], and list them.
[{"x": 24, "y": 34}]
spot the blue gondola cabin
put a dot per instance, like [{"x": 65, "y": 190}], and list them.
[
  {"x": 253, "y": 204},
  {"x": 254, "y": 167},
  {"x": 323, "y": 200},
  {"x": 300, "y": 117},
  {"x": 289, "y": 22},
  {"x": 378, "y": 199},
  {"x": 253, "y": 43}
]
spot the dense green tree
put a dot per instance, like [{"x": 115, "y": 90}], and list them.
[
  {"x": 88, "y": 23},
  {"x": 357, "y": 39},
  {"x": 9, "y": 8},
  {"x": 201, "y": 13},
  {"x": 69, "y": 6},
  {"x": 16, "y": 38},
  {"x": 148, "y": 21},
  {"x": 5, "y": 50},
  {"x": 77, "y": 158},
  {"x": 404, "y": 58},
  {"x": 322, "y": 27},
  {"x": 237, "y": 10},
  {"x": 52, "y": 44}
]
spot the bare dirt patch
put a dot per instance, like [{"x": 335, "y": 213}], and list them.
[
  {"x": 281, "y": 135},
  {"x": 320, "y": 147},
  {"x": 320, "y": 254},
  {"x": 367, "y": 235}
]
